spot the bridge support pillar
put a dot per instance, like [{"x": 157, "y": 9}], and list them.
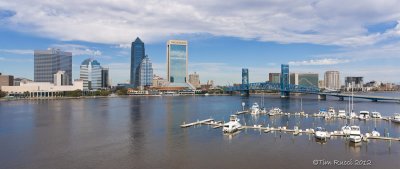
[
  {"x": 341, "y": 98},
  {"x": 322, "y": 97},
  {"x": 245, "y": 93},
  {"x": 284, "y": 94}
]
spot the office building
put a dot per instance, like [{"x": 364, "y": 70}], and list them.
[
  {"x": 274, "y": 77},
  {"x": 90, "y": 74},
  {"x": 354, "y": 83},
  {"x": 49, "y": 62},
  {"x": 137, "y": 55},
  {"x": 332, "y": 80},
  {"x": 60, "y": 78},
  {"x": 105, "y": 78},
  {"x": 284, "y": 80},
  {"x": 6, "y": 80},
  {"x": 194, "y": 80},
  {"x": 146, "y": 73},
  {"x": 304, "y": 79},
  {"x": 159, "y": 81},
  {"x": 177, "y": 61}
]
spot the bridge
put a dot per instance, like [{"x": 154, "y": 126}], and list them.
[{"x": 285, "y": 88}]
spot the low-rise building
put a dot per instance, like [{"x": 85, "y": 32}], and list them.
[{"x": 6, "y": 80}]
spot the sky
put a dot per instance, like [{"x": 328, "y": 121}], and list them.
[{"x": 357, "y": 38}]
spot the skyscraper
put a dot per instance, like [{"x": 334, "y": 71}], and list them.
[
  {"x": 304, "y": 79},
  {"x": 194, "y": 80},
  {"x": 284, "y": 80},
  {"x": 274, "y": 77},
  {"x": 146, "y": 72},
  {"x": 105, "y": 78},
  {"x": 137, "y": 55},
  {"x": 90, "y": 73},
  {"x": 332, "y": 80},
  {"x": 177, "y": 61},
  {"x": 49, "y": 62}
]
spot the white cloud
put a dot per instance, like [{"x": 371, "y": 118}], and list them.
[
  {"x": 78, "y": 49},
  {"x": 317, "y": 62},
  {"x": 17, "y": 51},
  {"x": 334, "y": 22}
]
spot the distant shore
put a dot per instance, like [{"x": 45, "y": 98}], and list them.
[{"x": 94, "y": 97}]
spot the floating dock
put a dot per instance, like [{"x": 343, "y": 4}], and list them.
[{"x": 295, "y": 131}]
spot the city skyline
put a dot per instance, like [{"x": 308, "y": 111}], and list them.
[{"x": 361, "y": 45}]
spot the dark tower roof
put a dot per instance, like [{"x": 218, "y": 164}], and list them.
[{"x": 138, "y": 40}]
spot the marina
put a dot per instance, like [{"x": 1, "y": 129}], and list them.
[{"x": 351, "y": 132}]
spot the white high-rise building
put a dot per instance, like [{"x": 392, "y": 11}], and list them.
[
  {"x": 90, "y": 73},
  {"x": 332, "y": 80}
]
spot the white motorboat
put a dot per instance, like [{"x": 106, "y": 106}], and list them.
[
  {"x": 346, "y": 129},
  {"x": 341, "y": 113},
  {"x": 274, "y": 111},
  {"x": 321, "y": 113},
  {"x": 376, "y": 115},
  {"x": 364, "y": 115},
  {"x": 396, "y": 118},
  {"x": 321, "y": 133},
  {"x": 255, "y": 109},
  {"x": 233, "y": 125},
  {"x": 355, "y": 134},
  {"x": 331, "y": 111}
]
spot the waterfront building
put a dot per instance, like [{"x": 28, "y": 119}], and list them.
[
  {"x": 210, "y": 82},
  {"x": 137, "y": 55},
  {"x": 146, "y": 73},
  {"x": 194, "y": 80},
  {"x": 159, "y": 81},
  {"x": 49, "y": 62},
  {"x": 17, "y": 81},
  {"x": 42, "y": 89},
  {"x": 105, "y": 78},
  {"x": 332, "y": 80},
  {"x": 60, "y": 78},
  {"x": 304, "y": 79},
  {"x": 354, "y": 83},
  {"x": 6, "y": 80},
  {"x": 90, "y": 73},
  {"x": 274, "y": 77}
]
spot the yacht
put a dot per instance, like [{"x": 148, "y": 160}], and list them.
[
  {"x": 364, "y": 115},
  {"x": 331, "y": 111},
  {"x": 255, "y": 109},
  {"x": 342, "y": 113},
  {"x": 376, "y": 115},
  {"x": 355, "y": 134},
  {"x": 321, "y": 113},
  {"x": 396, "y": 118},
  {"x": 233, "y": 125},
  {"x": 373, "y": 134},
  {"x": 275, "y": 111},
  {"x": 346, "y": 129},
  {"x": 321, "y": 133}
]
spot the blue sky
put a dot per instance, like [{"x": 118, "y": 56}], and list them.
[{"x": 358, "y": 38}]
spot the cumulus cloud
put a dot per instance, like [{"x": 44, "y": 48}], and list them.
[
  {"x": 317, "y": 62},
  {"x": 333, "y": 22},
  {"x": 78, "y": 49}
]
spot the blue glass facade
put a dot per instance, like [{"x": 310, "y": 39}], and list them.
[
  {"x": 177, "y": 61},
  {"x": 146, "y": 72},
  {"x": 91, "y": 74},
  {"x": 137, "y": 55}
]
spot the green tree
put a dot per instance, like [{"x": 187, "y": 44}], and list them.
[
  {"x": 2, "y": 94},
  {"x": 122, "y": 92},
  {"x": 75, "y": 93}
]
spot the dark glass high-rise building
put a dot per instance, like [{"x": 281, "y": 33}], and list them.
[
  {"x": 137, "y": 55},
  {"x": 284, "y": 80},
  {"x": 49, "y": 62}
]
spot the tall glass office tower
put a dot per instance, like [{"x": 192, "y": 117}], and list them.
[
  {"x": 91, "y": 74},
  {"x": 49, "y": 62},
  {"x": 177, "y": 61},
  {"x": 284, "y": 80},
  {"x": 137, "y": 55},
  {"x": 146, "y": 72}
]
